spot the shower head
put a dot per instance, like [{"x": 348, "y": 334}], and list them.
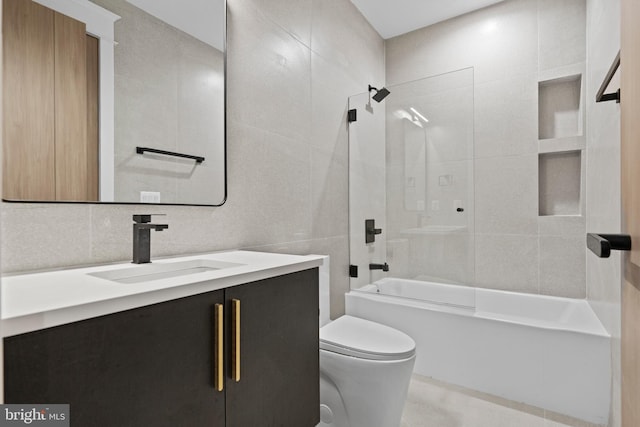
[{"x": 380, "y": 93}]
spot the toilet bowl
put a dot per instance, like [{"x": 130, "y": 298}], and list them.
[{"x": 365, "y": 368}]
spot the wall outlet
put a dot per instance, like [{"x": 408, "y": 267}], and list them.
[{"x": 150, "y": 197}]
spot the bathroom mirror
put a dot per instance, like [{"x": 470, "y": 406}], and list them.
[{"x": 122, "y": 102}]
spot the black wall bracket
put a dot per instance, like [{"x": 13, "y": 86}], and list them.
[
  {"x": 602, "y": 244},
  {"x": 353, "y": 270},
  {"x": 352, "y": 115},
  {"x": 614, "y": 96}
]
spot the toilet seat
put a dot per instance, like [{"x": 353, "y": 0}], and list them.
[{"x": 355, "y": 337}]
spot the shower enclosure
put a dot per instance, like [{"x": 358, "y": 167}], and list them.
[
  {"x": 411, "y": 170},
  {"x": 411, "y": 211}
]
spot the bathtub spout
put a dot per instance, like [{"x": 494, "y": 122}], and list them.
[{"x": 383, "y": 267}]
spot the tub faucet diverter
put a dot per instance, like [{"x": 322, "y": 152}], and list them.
[
  {"x": 142, "y": 237},
  {"x": 383, "y": 267}
]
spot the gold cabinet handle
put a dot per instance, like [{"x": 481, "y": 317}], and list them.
[
  {"x": 235, "y": 340},
  {"x": 218, "y": 347}
]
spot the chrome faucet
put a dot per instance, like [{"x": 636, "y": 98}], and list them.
[{"x": 142, "y": 237}]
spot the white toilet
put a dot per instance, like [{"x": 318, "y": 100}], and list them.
[{"x": 365, "y": 368}]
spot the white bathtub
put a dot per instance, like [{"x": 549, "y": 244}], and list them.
[{"x": 548, "y": 352}]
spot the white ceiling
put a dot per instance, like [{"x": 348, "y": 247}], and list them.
[
  {"x": 203, "y": 19},
  {"x": 395, "y": 17}
]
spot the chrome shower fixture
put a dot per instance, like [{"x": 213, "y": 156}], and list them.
[{"x": 380, "y": 93}]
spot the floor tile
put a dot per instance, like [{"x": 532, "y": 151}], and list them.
[{"x": 431, "y": 403}]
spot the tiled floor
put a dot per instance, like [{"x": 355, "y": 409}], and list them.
[{"x": 432, "y": 403}]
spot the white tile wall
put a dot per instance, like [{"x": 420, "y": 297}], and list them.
[
  {"x": 506, "y": 195},
  {"x": 562, "y": 265},
  {"x": 278, "y": 98},
  {"x": 511, "y": 46},
  {"x": 340, "y": 35},
  {"x": 506, "y": 116},
  {"x": 500, "y": 41},
  {"x": 561, "y": 34},
  {"x": 293, "y": 17},
  {"x": 508, "y": 262},
  {"x": 603, "y": 179}
]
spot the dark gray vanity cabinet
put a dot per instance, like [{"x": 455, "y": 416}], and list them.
[
  {"x": 154, "y": 365},
  {"x": 280, "y": 372},
  {"x": 145, "y": 367}
]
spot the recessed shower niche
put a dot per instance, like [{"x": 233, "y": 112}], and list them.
[
  {"x": 559, "y": 183},
  {"x": 559, "y": 107}
]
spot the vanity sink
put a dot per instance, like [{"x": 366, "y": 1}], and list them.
[
  {"x": 158, "y": 271},
  {"x": 46, "y": 299}
]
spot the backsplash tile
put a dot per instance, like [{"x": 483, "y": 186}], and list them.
[{"x": 37, "y": 236}]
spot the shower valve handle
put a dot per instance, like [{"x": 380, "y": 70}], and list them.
[{"x": 370, "y": 230}]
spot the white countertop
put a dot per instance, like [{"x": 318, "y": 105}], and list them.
[{"x": 45, "y": 299}]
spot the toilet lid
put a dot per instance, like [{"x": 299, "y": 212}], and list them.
[{"x": 352, "y": 336}]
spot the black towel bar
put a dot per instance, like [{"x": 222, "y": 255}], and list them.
[
  {"x": 602, "y": 244},
  {"x": 141, "y": 150}
]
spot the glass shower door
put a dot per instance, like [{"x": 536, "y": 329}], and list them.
[
  {"x": 367, "y": 188},
  {"x": 411, "y": 169}
]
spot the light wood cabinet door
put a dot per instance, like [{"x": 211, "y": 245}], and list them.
[
  {"x": 71, "y": 108},
  {"x": 28, "y": 101},
  {"x": 49, "y": 105}
]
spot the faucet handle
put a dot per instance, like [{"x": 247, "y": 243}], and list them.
[{"x": 145, "y": 218}]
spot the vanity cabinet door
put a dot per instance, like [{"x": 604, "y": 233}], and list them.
[
  {"x": 151, "y": 366},
  {"x": 279, "y": 356}
]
